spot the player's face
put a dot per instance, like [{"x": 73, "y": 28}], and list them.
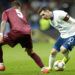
[{"x": 46, "y": 14}]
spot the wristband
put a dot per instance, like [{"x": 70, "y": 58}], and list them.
[{"x": 1, "y": 34}]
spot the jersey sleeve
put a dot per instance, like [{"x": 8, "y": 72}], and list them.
[{"x": 4, "y": 16}]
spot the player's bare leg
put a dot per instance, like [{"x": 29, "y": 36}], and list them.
[
  {"x": 2, "y": 67},
  {"x": 65, "y": 53}
]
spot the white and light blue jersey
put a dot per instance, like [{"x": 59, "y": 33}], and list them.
[{"x": 66, "y": 29}]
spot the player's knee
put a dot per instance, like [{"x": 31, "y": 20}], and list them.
[
  {"x": 62, "y": 49},
  {"x": 29, "y": 52},
  {"x": 53, "y": 52}
]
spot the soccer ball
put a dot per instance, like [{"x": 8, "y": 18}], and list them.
[{"x": 59, "y": 65}]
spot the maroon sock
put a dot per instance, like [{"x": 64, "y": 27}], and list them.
[
  {"x": 1, "y": 55},
  {"x": 37, "y": 59}
]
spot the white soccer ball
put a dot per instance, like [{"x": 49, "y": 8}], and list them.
[{"x": 59, "y": 65}]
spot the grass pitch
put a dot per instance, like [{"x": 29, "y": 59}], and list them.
[{"x": 17, "y": 61}]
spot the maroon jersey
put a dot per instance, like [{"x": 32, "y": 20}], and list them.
[{"x": 17, "y": 21}]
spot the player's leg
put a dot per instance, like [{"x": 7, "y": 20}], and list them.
[
  {"x": 26, "y": 42},
  {"x": 52, "y": 58},
  {"x": 53, "y": 53},
  {"x": 66, "y": 47},
  {"x": 9, "y": 41},
  {"x": 51, "y": 61},
  {"x": 35, "y": 57},
  {"x": 2, "y": 67},
  {"x": 65, "y": 52}
]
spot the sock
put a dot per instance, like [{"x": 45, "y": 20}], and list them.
[
  {"x": 66, "y": 57},
  {"x": 37, "y": 59},
  {"x": 51, "y": 61},
  {"x": 1, "y": 55}
]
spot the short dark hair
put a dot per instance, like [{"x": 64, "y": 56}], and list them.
[
  {"x": 16, "y": 3},
  {"x": 44, "y": 8}
]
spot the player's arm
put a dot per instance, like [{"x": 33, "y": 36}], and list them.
[
  {"x": 3, "y": 23},
  {"x": 2, "y": 26},
  {"x": 65, "y": 16},
  {"x": 69, "y": 19}
]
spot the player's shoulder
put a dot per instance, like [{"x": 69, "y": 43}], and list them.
[
  {"x": 8, "y": 10},
  {"x": 59, "y": 11}
]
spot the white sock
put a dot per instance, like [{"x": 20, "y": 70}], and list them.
[
  {"x": 1, "y": 63},
  {"x": 51, "y": 61}
]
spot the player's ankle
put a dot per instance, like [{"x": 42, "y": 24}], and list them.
[
  {"x": 66, "y": 59},
  {"x": 45, "y": 70},
  {"x": 1, "y": 63},
  {"x": 2, "y": 67}
]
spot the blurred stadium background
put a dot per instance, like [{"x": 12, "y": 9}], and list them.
[
  {"x": 19, "y": 63},
  {"x": 40, "y": 27}
]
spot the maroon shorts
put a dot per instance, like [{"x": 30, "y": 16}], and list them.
[{"x": 15, "y": 37}]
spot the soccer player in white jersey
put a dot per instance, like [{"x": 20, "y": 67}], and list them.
[{"x": 65, "y": 24}]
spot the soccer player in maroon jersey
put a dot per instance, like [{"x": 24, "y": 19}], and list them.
[{"x": 20, "y": 32}]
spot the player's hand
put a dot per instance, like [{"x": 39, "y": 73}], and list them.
[{"x": 1, "y": 37}]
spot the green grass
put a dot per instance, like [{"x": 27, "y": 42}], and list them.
[{"x": 19, "y": 63}]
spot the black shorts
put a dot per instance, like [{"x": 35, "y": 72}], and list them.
[{"x": 25, "y": 41}]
